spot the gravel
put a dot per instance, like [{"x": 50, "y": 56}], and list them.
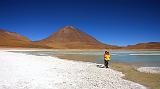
[{"x": 21, "y": 71}]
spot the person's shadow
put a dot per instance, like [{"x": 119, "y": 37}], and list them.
[{"x": 100, "y": 66}]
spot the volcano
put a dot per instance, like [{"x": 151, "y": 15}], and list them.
[{"x": 72, "y": 38}]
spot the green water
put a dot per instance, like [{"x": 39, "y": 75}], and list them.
[{"x": 146, "y": 57}]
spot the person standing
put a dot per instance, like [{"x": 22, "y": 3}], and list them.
[{"x": 106, "y": 58}]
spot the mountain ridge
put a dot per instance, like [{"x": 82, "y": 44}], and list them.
[
  {"x": 12, "y": 39},
  {"x": 145, "y": 45},
  {"x": 67, "y": 37}
]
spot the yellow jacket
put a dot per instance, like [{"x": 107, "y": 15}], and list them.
[{"x": 106, "y": 57}]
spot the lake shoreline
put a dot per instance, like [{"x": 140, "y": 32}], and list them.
[
  {"x": 20, "y": 70},
  {"x": 130, "y": 70}
]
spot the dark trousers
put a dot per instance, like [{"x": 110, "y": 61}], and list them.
[{"x": 106, "y": 63}]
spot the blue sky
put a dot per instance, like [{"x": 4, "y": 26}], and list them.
[{"x": 116, "y": 22}]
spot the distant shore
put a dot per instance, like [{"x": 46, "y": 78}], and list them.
[{"x": 43, "y": 49}]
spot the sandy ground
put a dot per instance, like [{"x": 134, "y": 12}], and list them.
[
  {"x": 149, "y": 69},
  {"x": 21, "y": 71}
]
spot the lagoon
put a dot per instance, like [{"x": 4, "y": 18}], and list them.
[{"x": 147, "y": 58}]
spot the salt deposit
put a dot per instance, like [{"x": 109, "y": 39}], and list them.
[
  {"x": 21, "y": 71},
  {"x": 149, "y": 69}
]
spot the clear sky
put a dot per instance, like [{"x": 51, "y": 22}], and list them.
[{"x": 116, "y": 22}]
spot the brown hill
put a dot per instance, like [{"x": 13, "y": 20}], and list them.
[
  {"x": 149, "y": 45},
  {"x": 72, "y": 38},
  {"x": 12, "y": 39},
  {"x": 67, "y": 38}
]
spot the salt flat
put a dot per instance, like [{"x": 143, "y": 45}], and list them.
[
  {"x": 21, "y": 71},
  {"x": 149, "y": 69}
]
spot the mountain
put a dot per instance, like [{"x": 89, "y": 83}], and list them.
[
  {"x": 12, "y": 39},
  {"x": 149, "y": 45},
  {"x": 72, "y": 38},
  {"x": 65, "y": 38}
]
